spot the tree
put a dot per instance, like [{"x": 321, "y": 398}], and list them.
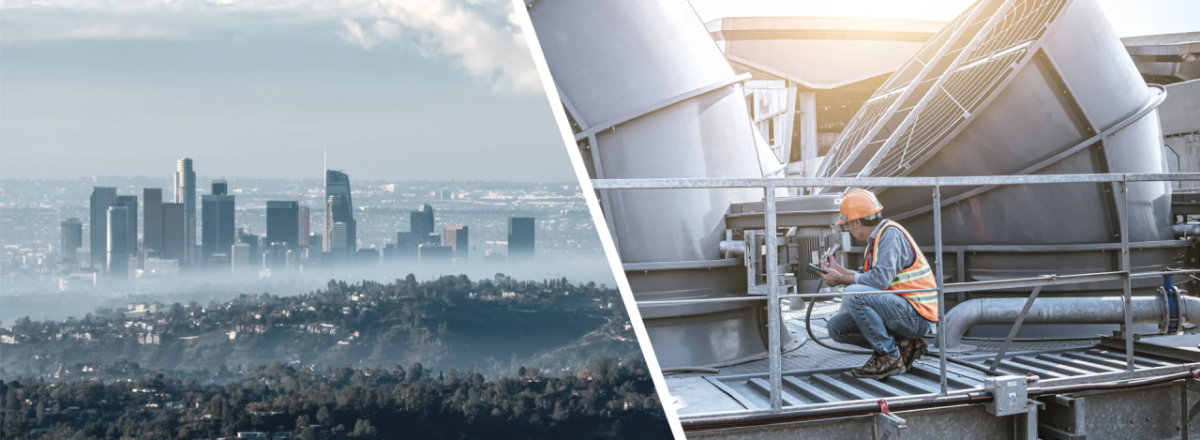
[{"x": 364, "y": 429}]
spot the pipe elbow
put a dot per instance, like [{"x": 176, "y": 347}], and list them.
[{"x": 960, "y": 319}]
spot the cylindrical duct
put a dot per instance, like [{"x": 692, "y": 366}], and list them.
[{"x": 653, "y": 97}]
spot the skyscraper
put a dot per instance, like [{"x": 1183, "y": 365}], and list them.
[
  {"x": 456, "y": 238},
  {"x": 185, "y": 193},
  {"x": 338, "y": 251},
  {"x": 72, "y": 238},
  {"x": 131, "y": 223},
  {"x": 253, "y": 241},
  {"x": 152, "y": 220},
  {"x": 217, "y": 226},
  {"x": 118, "y": 231},
  {"x": 174, "y": 225},
  {"x": 421, "y": 222},
  {"x": 102, "y": 199},
  {"x": 283, "y": 223},
  {"x": 339, "y": 208},
  {"x": 520, "y": 238},
  {"x": 239, "y": 257}
]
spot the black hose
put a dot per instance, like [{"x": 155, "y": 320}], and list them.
[{"x": 808, "y": 328}]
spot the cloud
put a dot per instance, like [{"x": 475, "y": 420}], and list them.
[{"x": 479, "y": 36}]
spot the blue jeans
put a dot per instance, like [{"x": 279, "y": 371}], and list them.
[{"x": 869, "y": 321}]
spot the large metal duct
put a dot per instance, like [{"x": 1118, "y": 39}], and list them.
[
  {"x": 1098, "y": 310},
  {"x": 1018, "y": 87},
  {"x": 651, "y": 96}
]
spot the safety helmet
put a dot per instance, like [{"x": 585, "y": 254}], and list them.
[{"x": 858, "y": 204}]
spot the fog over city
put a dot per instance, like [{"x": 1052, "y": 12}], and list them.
[{"x": 37, "y": 283}]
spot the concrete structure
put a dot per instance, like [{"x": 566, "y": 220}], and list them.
[
  {"x": 434, "y": 254},
  {"x": 805, "y": 85},
  {"x": 71, "y": 239},
  {"x": 185, "y": 194},
  {"x": 521, "y": 232},
  {"x": 240, "y": 260},
  {"x": 102, "y": 199},
  {"x": 457, "y": 238}
]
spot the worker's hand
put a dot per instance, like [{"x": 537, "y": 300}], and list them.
[
  {"x": 833, "y": 278},
  {"x": 829, "y": 263}
]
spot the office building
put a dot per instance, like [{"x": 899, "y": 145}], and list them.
[
  {"x": 174, "y": 244},
  {"x": 131, "y": 223},
  {"x": 337, "y": 234},
  {"x": 152, "y": 221},
  {"x": 434, "y": 254},
  {"x": 185, "y": 193},
  {"x": 304, "y": 231},
  {"x": 275, "y": 256},
  {"x": 421, "y": 222},
  {"x": 339, "y": 207},
  {"x": 118, "y": 239},
  {"x": 102, "y": 199},
  {"x": 72, "y": 239},
  {"x": 520, "y": 239},
  {"x": 156, "y": 267},
  {"x": 456, "y": 238},
  {"x": 254, "y": 243},
  {"x": 217, "y": 231},
  {"x": 239, "y": 258},
  {"x": 283, "y": 222}
]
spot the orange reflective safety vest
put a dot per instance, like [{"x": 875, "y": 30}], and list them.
[{"x": 915, "y": 277}]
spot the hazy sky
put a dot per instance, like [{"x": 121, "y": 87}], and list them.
[
  {"x": 395, "y": 89},
  {"x": 1128, "y": 17}
]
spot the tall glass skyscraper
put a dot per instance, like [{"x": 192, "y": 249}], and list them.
[
  {"x": 520, "y": 238},
  {"x": 102, "y": 199},
  {"x": 152, "y": 220},
  {"x": 72, "y": 239},
  {"x": 130, "y": 203},
  {"x": 217, "y": 230},
  {"x": 283, "y": 223},
  {"x": 339, "y": 208},
  {"x": 185, "y": 193},
  {"x": 118, "y": 231}
]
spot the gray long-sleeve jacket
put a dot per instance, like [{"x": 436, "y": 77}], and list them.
[{"x": 895, "y": 254}]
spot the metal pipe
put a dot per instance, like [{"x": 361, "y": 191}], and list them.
[
  {"x": 1063, "y": 310},
  {"x": 1186, "y": 230},
  {"x": 774, "y": 315}
]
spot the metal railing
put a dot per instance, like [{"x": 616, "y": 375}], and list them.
[{"x": 775, "y": 355}]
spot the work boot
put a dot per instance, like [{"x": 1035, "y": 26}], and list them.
[
  {"x": 880, "y": 366},
  {"x": 911, "y": 350}
]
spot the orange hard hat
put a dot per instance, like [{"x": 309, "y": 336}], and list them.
[{"x": 858, "y": 204}]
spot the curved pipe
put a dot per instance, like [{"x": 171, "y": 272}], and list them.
[
  {"x": 1186, "y": 230},
  {"x": 1067, "y": 310}
]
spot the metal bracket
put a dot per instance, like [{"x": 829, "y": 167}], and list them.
[
  {"x": 1066, "y": 419},
  {"x": 1026, "y": 428},
  {"x": 887, "y": 425}
]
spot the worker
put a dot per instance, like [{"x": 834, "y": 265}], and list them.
[{"x": 891, "y": 325}]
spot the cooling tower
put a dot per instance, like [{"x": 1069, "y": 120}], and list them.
[
  {"x": 1020, "y": 87},
  {"x": 652, "y": 97}
]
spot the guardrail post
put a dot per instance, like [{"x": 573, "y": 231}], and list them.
[
  {"x": 941, "y": 292},
  {"x": 774, "y": 351},
  {"x": 1128, "y": 330}
]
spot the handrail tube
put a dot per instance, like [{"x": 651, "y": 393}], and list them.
[{"x": 1040, "y": 179}]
